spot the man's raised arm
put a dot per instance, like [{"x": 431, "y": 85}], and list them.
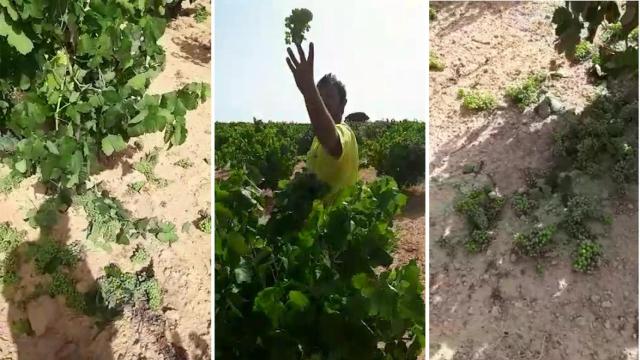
[{"x": 323, "y": 126}]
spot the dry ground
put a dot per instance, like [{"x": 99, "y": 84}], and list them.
[{"x": 493, "y": 305}]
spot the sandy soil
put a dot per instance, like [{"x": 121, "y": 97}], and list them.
[
  {"x": 182, "y": 329},
  {"x": 495, "y": 305}
]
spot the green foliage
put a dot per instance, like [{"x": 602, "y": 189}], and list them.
[
  {"x": 10, "y": 181},
  {"x": 587, "y": 256},
  {"x": 46, "y": 215},
  {"x": 201, "y": 15},
  {"x": 477, "y": 100},
  {"x": 140, "y": 256},
  {"x": 584, "y": 50},
  {"x": 522, "y": 204},
  {"x": 527, "y": 92},
  {"x": 165, "y": 232},
  {"x": 602, "y": 140},
  {"x": 433, "y": 14},
  {"x": 73, "y": 85},
  {"x": 22, "y": 327},
  {"x": 137, "y": 186},
  {"x": 146, "y": 166},
  {"x": 118, "y": 289},
  {"x": 435, "y": 63},
  {"x": 478, "y": 241},
  {"x": 595, "y": 59},
  {"x": 400, "y": 152},
  {"x": 612, "y": 58},
  {"x": 62, "y": 284},
  {"x": 580, "y": 209},
  {"x": 536, "y": 243},
  {"x": 268, "y": 151},
  {"x": 184, "y": 163},
  {"x": 110, "y": 223},
  {"x": 10, "y": 239},
  {"x": 204, "y": 224},
  {"x": 49, "y": 255},
  {"x": 633, "y": 36},
  {"x": 612, "y": 33},
  {"x": 481, "y": 207},
  {"x": 297, "y": 25},
  {"x": 300, "y": 282}
]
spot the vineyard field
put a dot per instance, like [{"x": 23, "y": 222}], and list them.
[
  {"x": 288, "y": 260},
  {"x": 271, "y": 150}
]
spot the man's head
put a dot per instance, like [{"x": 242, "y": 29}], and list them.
[{"x": 334, "y": 96}]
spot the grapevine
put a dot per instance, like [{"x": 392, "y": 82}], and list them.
[{"x": 297, "y": 25}]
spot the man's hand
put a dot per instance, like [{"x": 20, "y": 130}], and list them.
[{"x": 302, "y": 70}]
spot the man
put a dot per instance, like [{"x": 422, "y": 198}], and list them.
[{"x": 333, "y": 156}]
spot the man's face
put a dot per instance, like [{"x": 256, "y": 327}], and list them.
[{"x": 331, "y": 99}]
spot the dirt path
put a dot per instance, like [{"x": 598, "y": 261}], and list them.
[
  {"x": 183, "y": 270},
  {"x": 494, "y": 305}
]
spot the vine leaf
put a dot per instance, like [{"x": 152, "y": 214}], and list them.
[
  {"x": 113, "y": 143},
  {"x": 17, "y": 39}
]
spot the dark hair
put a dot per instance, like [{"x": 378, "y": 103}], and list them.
[{"x": 330, "y": 79}]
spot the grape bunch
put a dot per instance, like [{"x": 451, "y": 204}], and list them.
[{"x": 297, "y": 24}]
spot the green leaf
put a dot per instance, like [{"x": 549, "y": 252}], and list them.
[
  {"x": 268, "y": 302},
  {"x": 138, "y": 82},
  {"x": 113, "y": 143},
  {"x": 298, "y": 300},
  {"x": 237, "y": 243},
  {"x": 17, "y": 39},
  {"x": 21, "y": 166},
  {"x": 52, "y": 148},
  {"x": 242, "y": 275},
  {"x": 10, "y": 9},
  {"x": 167, "y": 233}
]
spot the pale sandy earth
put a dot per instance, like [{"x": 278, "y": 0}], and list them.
[
  {"x": 495, "y": 306},
  {"x": 182, "y": 328}
]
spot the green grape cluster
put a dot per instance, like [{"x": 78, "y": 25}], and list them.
[
  {"x": 584, "y": 50},
  {"x": 478, "y": 241},
  {"x": 527, "y": 91},
  {"x": 435, "y": 63},
  {"x": 118, "y": 288},
  {"x": 587, "y": 256},
  {"x": 523, "y": 205},
  {"x": 62, "y": 284},
  {"x": 140, "y": 255},
  {"x": 481, "y": 206},
  {"x": 297, "y": 25},
  {"x": 536, "y": 242},
  {"x": 48, "y": 255},
  {"x": 477, "y": 100}
]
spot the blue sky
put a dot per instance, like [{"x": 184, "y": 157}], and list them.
[{"x": 377, "y": 48}]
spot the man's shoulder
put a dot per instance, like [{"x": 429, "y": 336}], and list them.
[{"x": 344, "y": 127}]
